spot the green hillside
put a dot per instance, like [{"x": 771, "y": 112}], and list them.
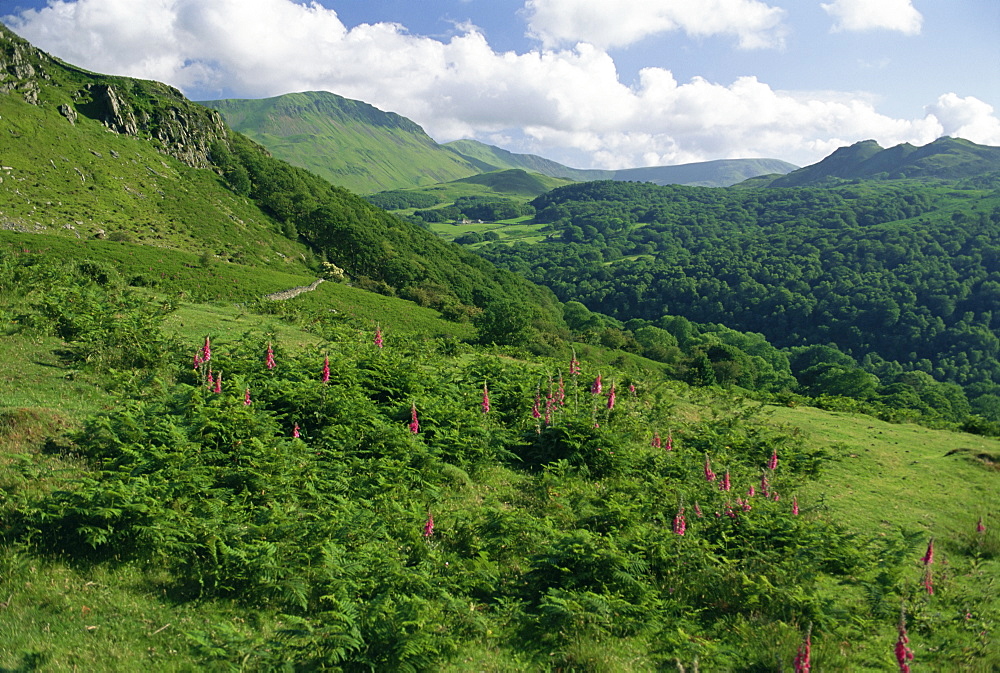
[
  {"x": 453, "y": 472},
  {"x": 944, "y": 159},
  {"x": 350, "y": 143}
]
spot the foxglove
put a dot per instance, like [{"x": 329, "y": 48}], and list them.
[
  {"x": 596, "y": 387},
  {"x": 611, "y": 397},
  {"x": 206, "y": 350},
  {"x": 928, "y": 558},
  {"x": 680, "y": 525},
  {"x": 246, "y": 397},
  {"x": 414, "y": 423},
  {"x": 980, "y": 528},
  {"x": 724, "y": 483},
  {"x": 295, "y": 431},
  {"x": 904, "y": 655},
  {"x": 709, "y": 475},
  {"x": 486, "y": 399},
  {"x": 378, "y": 336},
  {"x": 795, "y": 506},
  {"x": 269, "y": 360},
  {"x": 802, "y": 663},
  {"x": 773, "y": 463},
  {"x": 429, "y": 526},
  {"x": 326, "y": 369},
  {"x": 656, "y": 443},
  {"x": 218, "y": 383}
]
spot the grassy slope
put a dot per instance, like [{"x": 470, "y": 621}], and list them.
[{"x": 349, "y": 143}]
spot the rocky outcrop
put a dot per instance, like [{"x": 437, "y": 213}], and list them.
[{"x": 294, "y": 292}]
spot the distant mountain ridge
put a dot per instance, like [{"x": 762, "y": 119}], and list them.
[
  {"x": 945, "y": 159},
  {"x": 357, "y": 146}
]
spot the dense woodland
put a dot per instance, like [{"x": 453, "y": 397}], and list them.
[{"x": 885, "y": 282}]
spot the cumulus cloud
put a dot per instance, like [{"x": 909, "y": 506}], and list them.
[
  {"x": 569, "y": 104},
  {"x": 605, "y": 24},
  {"x": 855, "y": 15}
]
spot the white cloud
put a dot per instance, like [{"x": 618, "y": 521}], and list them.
[
  {"x": 617, "y": 24},
  {"x": 567, "y": 104},
  {"x": 855, "y": 15}
]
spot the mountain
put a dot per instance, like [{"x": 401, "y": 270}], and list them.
[
  {"x": 352, "y": 144},
  {"x": 359, "y": 147},
  {"x": 718, "y": 173},
  {"x": 94, "y": 157},
  {"x": 943, "y": 159}
]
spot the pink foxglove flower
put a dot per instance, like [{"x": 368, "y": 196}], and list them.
[
  {"x": 269, "y": 360},
  {"x": 429, "y": 526},
  {"x": 656, "y": 443},
  {"x": 802, "y": 663},
  {"x": 795, "y": 506},
  {"x": 765, "y": 485},
  {"x": 980, "y": 528},
  {"x": 680, "y": 525},
  {"x": 697, "y": 510},
  {"x": 774, "y": 496},
  {"x": 378, "y": 336},
  {"x": 209, "y": 381},
  {"x": 206, "y": 351},
  {"x": 218, "y": 383},
  {"x": 631, "y": 389},
  {"x": 928, "y": 582},
  {"x": 670, "y": 441},
  {"x": 773, "y": 463},
  {"x": 611, "y": 397},
  {"x": 751, "y": 492},
  {"x": 246, "y": 397},
  {"x": 197, "y": 359},
  {"x": 561, "y": 394},
  {"x": 904, "y": 655},
  {"x": 709, "y": 475},
  {"x": 486, "y": 399},
  {"x": 326, "y": 369},
  {"x": 295, "y": 431},
  {"x": 536, "y": 412},
  {"x": 596, "y": 387},
  {"x": 574, "y": 365},
  {"x": 724, "y": 483},
  {"x": 414, "y": 423},
  {"x": 928, "y": 558}
]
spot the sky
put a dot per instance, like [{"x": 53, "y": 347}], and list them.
[{"x": 588, "y": 83}]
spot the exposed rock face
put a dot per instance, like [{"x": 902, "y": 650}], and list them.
[{"x": 181, "y": 129}]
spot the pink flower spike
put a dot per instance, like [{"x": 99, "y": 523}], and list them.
[
  {"x": 611, "y": 397},
  {"x": 536, "y": 407},
  {"x": 378, "y": 336},
  {"x": 218, "y": 383},
  {"x": 773, "y": 463},
  {"x": 209, "y": 381},
  {"x": 269, "y": 360},
  {"x": 724, "y": 484},
  {"x": 697, "y": 510},
  {"x": 802, "y": 663},
  {"x": 631, "y": 389},
  {"x": 295, "y": 431},
  {"x": 904, "y": 655},
  {"x": 680, "y": 525},
  {"x": 246, "y": 397},
  {"x": 206, "y": 350},
  {"x": 197, "y": 359},
  {"x": 429, "y": 526},
  {"x": 574, "y": 365},
  {"x": 670, "y": 441},
  {"x": 709, "y": 475},
  {"x": 980, "y": 528},
  {"x": 596, "y": 388},
  {"x": 928, "y": 558},
  {"x": 765, "y": 485},
  {"x": 326, "y": 369},
  {"x": 561, "y": 395},
  {"x": 795, "y": 506},
  {"x": 928, "y": 582},
  {"x": 656, "y": 443},
  {"x": 486, "y": 399},
  {"x": 414, "y": 423},
  {"x": 751, "y": 492}
]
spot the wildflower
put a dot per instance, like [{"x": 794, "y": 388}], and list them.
[
  {"x": 751, "y": 492},
  {"x": 656, "y": 443},
  {"x": 574, "y": 365},
  {"x": 773, "y": 463},
  {"x": 549, "y": 404},
  {"x": 631, "y": 389},
  {"x": 697, "y": 510},
  {"x": 429, "y": 526},
  {"x": 596, "y": 388},
  {"x": 765, "y": 485},
  {"x": 269, "y": 361},
  {"x": 904, "y": 655},
  {"x": 928, "y": 582},
  {"x": 795, "y": 506},
  {"x": 295, "y": 431},
  {"x": 486, "y": 399},
  {"x": 246, "y": 397},
  {"x": 980, "y": 528},
  {"x": 928, "y": 558},
  {"x": 414, "y": 424},
  {"x": 326, "y": 369},
  {"x": 729, "y": 509},
  {"x": 709, "y": 475},
  {"x": 209, "y": 381},
  {"x": 670, "y": 441},
  {"x": 802, "y": 663},
  {"x": 536, "y": 408},
  {"x": 378, "y": 336},
  {"x": 561, "y": 395},
  {"x": 724, "y": 484},
  {"x": 206, "y": 351},
  {"x": 197, "y": 359},
  {"x": 218, "y": 383},
  {"x": 611, "y": 397},
  {"x": 775, "y": 496},
  {"x": 679, "y": 524}
]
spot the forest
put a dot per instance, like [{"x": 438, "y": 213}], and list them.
[{"x": 883, "y": 282}]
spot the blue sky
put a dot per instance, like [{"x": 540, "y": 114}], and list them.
[{"x": 590, "y": 83}]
